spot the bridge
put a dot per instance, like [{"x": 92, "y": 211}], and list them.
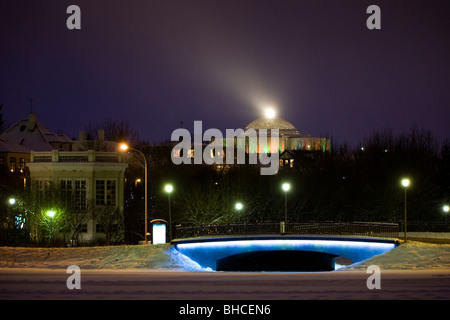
[{"x": 313, "y": 248}]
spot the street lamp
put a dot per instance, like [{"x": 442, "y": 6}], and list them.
[
  {"x": 125, "y": 147},
  {"x": 238, "y": 206},
  {"x": 138, "y": 180},
  {"x": 12, "y": 201},
  {"x": 51, "y": 224},
  {"x": 169, "y": 188},
  {"x": 286, "y": 187},
  {"x": 446, "y": 209},
  {"x": 405, "y": 184},
  {"x": 51, "y": 214}
]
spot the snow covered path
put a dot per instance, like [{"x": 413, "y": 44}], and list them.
[{"x": 175, "y": 285}]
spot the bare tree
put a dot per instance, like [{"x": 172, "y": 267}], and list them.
[
  {"x": 115, "y": 130},
  {"x": 110, "y": 219}
]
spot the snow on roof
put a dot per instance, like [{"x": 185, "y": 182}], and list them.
[{"x": 33, "y": 135}]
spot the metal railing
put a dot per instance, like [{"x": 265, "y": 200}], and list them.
[
  {"x": 426, "y": 226},
  {"x": 363, "y": 229}
]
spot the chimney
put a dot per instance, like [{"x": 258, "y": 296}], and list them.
[
  {"x": 82, "y": 136},
  {"x": 101, "y": 135},
  {"x": 32, "y": 120}
]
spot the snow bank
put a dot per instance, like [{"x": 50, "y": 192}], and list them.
[
  {"x": 425, "y": 235},
  {"x": 112, "y": 257},
  {"x": 408, "y": 256}
]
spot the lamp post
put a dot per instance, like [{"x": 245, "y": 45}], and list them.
[
  {"x": 169, "y": 188},
  {"x": 445, "y": 209},
  {"x": 125, "y": 147},
  {"x": 286, "y": 187},
  {"x": 51, "y": 228},
  {"x": 405, "y": 184}
]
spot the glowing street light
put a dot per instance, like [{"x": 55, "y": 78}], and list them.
[
  {"x": 138, "y": 180},
  {"x": 238, "y": 206},
  {"x": 51, "y": 214},
  {"x": 286, "y": 187},
  {"x": 405, "y": 184},
  {"x": 124, "y": 147},
  {"x": 169, "y": 188},
  {"x": 12, "y": 201},
  {"x": 446, "y": 209}
]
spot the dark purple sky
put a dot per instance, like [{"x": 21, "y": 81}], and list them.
[{"x": 156, "y": 63}]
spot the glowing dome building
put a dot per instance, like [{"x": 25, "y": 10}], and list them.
[{"x": 290, "y": 138}]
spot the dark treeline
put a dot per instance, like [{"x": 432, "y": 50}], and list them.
[{"x": 345, "y": 184}]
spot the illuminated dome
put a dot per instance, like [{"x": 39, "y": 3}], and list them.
[{"x": 286, "y": 128}]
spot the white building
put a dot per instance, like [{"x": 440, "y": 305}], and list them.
[
  {"x": 289, "y": 137},
  {"x": 93, "y": 180}
]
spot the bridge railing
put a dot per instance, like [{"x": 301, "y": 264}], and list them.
[
  {"x": 426, "y": 226},
  {"x": 364, "y": 229}
]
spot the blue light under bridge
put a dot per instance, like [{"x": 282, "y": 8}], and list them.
[{"x": 280, "y": 253}]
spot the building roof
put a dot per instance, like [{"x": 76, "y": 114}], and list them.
[
  {"x": 7, "y": 146},
  {"x": 33, "y": 135},
  {"x": 286, "y": 128}
]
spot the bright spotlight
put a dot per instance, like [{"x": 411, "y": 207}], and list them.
[{"x": 270, "y": 113}]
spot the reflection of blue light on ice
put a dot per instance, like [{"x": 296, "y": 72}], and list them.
[
  {"x": 206, "y": 253},
  {"x": 187, "y": 263}
]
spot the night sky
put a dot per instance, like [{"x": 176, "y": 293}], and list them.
[{"x": 157, "y": 63}]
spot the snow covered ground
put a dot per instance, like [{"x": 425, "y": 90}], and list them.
[
  {"x": 411, "y": 255},
  {"x": 413, "y": 270},
  {"x": 113, "y": 257}
]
